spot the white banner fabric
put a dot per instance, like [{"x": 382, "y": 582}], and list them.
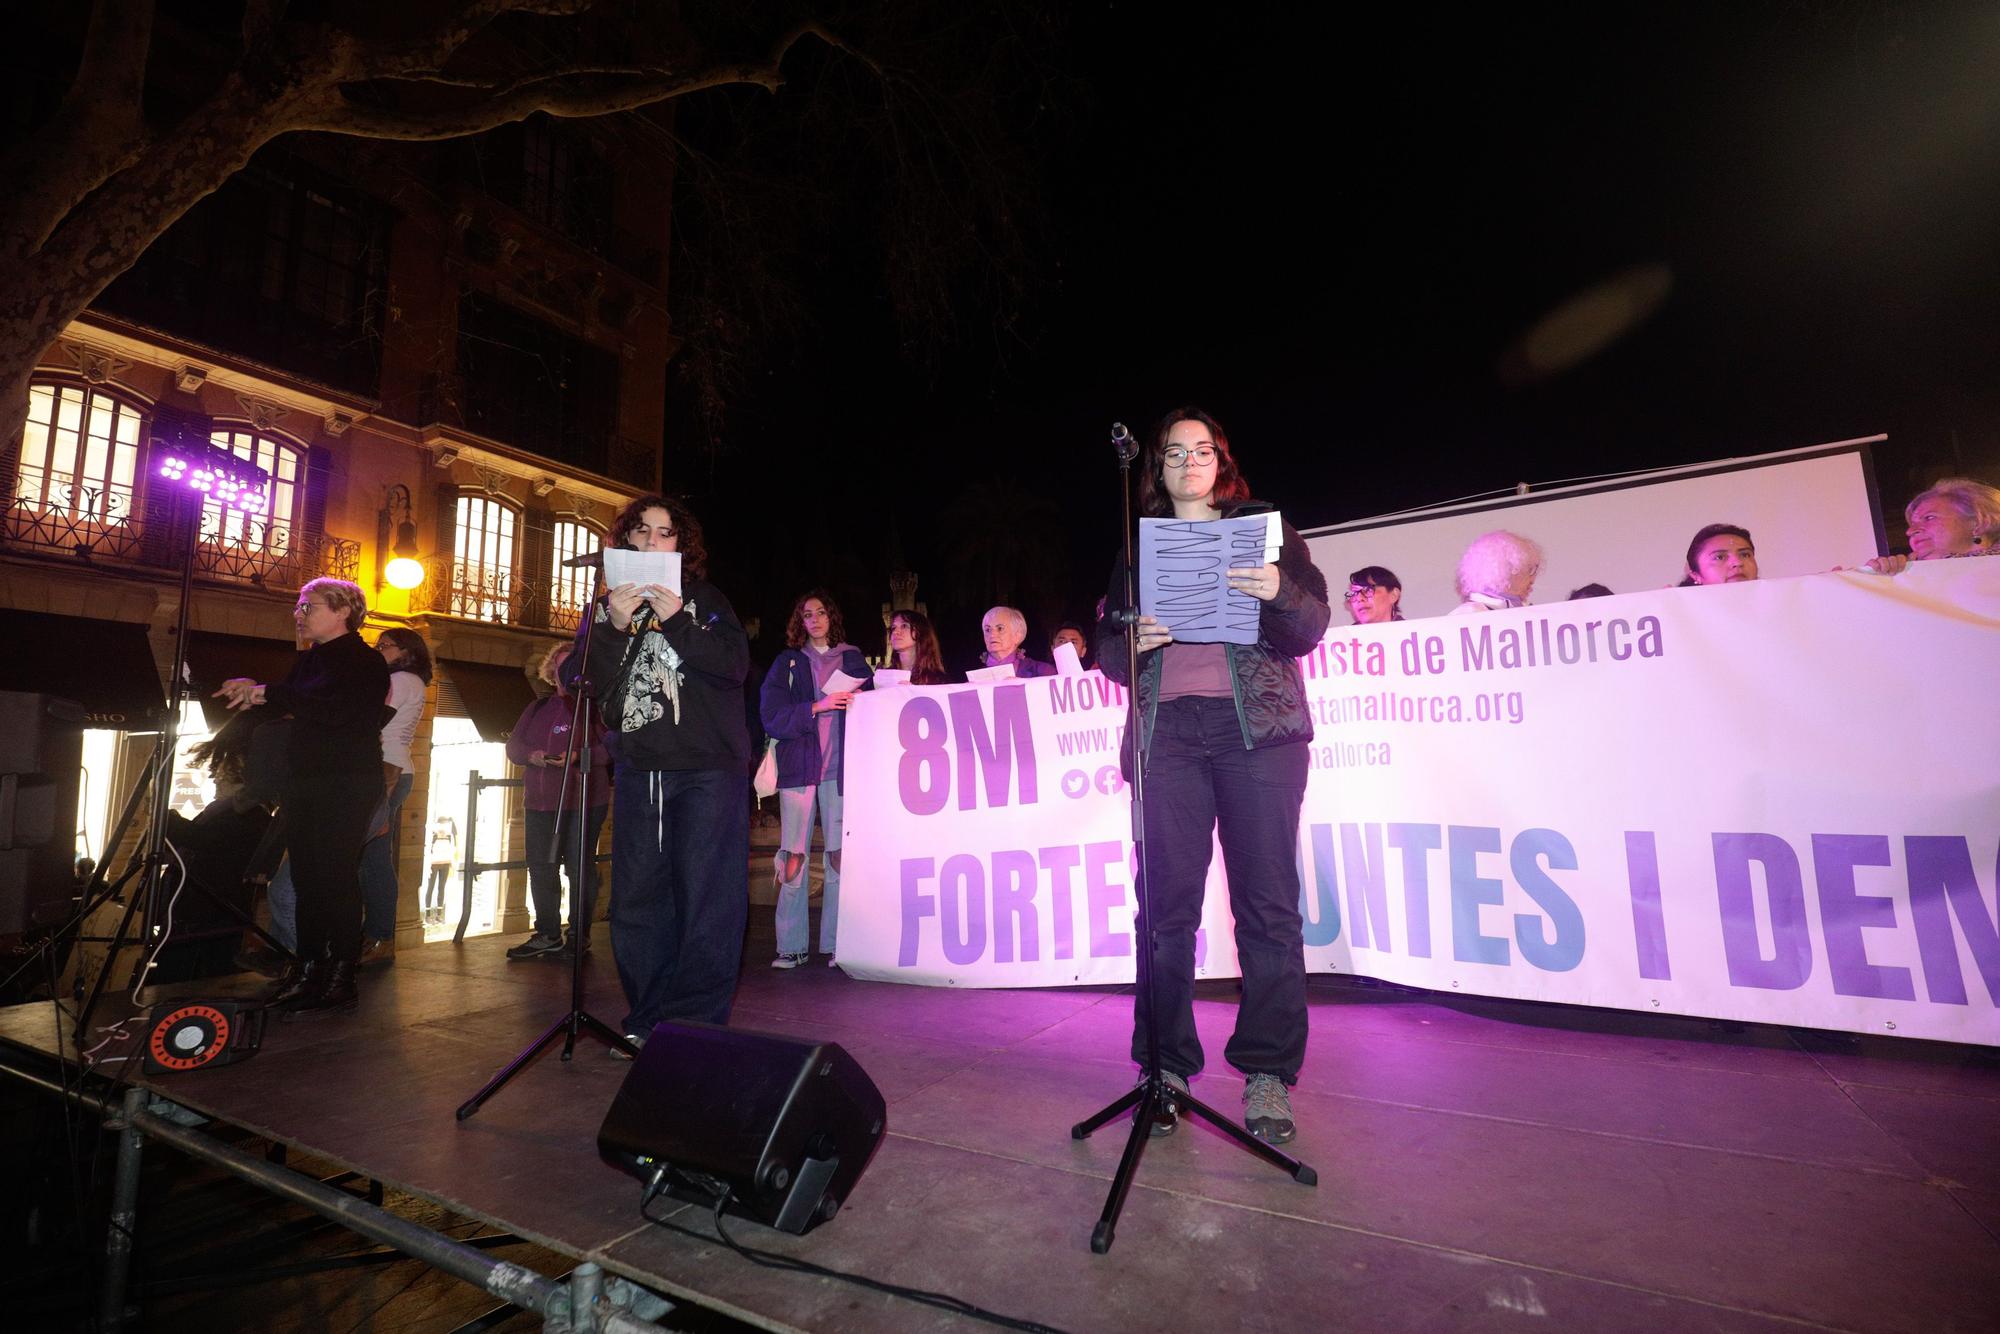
[{"x": 1776, "y": 802}]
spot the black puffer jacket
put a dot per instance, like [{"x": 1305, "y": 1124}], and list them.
[{"x": 1270, "y": 689}]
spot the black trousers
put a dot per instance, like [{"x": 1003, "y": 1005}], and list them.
[
  {"x": 680, "y": 891},
  {"x": 579, "y": 863},
  {"x": 1200, "y": 781},
  {"x": 326, "y": 824}
]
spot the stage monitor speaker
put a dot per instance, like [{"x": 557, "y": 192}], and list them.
[
  {"x": 41, "y": 764},
  {"x": 786, "y": 1125}
]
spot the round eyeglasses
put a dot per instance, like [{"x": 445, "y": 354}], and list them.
[{"x": 1174, "y": 456}]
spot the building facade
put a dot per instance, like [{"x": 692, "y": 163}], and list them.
[{"x": 455, "y": 353}]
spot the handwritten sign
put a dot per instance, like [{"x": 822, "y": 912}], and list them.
[{"x": 1184, "y": 575}]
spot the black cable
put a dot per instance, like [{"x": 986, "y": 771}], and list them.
[{"x": 771, "y": 1260}]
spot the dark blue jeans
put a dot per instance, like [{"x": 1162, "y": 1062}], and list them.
[
  {"x": 378, "y": 870},
  {"x": 544, "y": 888},
  {"x": 680, "y": 891},
  {"x": 1200, "y": 780}
]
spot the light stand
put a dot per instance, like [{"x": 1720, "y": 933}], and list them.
[
  {"x": 1152, "y": 1092},
  {"x": 205, "y": 470},
  {"x": 577, "y": 1019}
]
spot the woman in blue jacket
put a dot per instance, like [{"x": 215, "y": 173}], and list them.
[{"x": 807, "y": 720}]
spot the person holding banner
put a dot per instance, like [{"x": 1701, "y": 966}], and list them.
[
  {"x": 1225, "y": 732},
  {"x": 1498, "y": 570},
  {"x": 913, "y": 648},
  {"x": 1374, "y": 596},
  {"x": 808, "y": 719},
  {"x": 1955, "y": 517},
  {"x": 1721, "y": 553},
  {"x": 1004, "y": 630},
  {"x": 668, "y": 669}
]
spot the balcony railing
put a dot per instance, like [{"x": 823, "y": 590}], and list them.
[
  {"x": 111, "y": 528},
  {"x": 503, "y": 597}
]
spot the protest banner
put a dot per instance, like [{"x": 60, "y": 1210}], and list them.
[{"x": 1773, "y": 801}]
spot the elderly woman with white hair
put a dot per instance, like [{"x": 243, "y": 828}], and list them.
[
  {"x": 1955, "y": 517},
  {"x": 1497, "y": 570},
  {"x": 1004, "y": 630},
  {"x": 335, "y": 695}
]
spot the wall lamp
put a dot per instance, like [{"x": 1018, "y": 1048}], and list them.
[{"x": 404, "y": 570}]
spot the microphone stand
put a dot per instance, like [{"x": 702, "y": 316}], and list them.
[
  {"x": 1152, "y": 1093},
  {"x": 577, "y": 1018}
]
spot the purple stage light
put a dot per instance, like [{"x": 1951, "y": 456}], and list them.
[{"x": 234, "y": 482}]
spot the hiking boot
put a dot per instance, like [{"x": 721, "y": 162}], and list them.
[
  {"x": 376, "y": 951},
  {"x": 1167, "y": 1114},
  {"x": 790, "y": 960},
  {"x": 534, "y": 947},
  {"x": 1267, "y": 1109}
]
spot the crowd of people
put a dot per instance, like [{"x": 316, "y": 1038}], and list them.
[{"x": 1222, "y": 741}]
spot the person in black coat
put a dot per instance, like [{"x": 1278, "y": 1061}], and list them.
[
  {"x": 337, "y": 696},
  {"x": 668, "y": 669},
  {"x": 1224, "y": 731}
]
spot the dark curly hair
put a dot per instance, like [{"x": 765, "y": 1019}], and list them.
[
  {"x": 694, "y": 552},
  {"x": 795, "y": 629},
  {"x": 1230, "y": 488}
]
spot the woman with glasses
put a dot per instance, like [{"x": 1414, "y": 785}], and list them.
[
  {"x": 332, "y": 787},
  {"x": 1374, "y": 596},
  {"x": 809, "y": 722},
  {"x": 1224, "y": 732},
  {"x": 913, "y": 648},
  {"x": 668, "y": 669}
]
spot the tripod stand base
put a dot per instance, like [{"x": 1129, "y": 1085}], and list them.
[
  {"x": 567, "y": 1028},
  {"x": 1146, "y": 1097}
]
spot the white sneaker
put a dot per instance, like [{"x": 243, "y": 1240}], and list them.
[{"x": 789, "y": 960}]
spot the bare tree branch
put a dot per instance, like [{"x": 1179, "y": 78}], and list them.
[
  {"x": 339, "y": 114},
  {"x": 98, "y": 131}
]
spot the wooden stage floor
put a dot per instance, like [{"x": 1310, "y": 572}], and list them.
[{"x": 1483, "y": 1165}]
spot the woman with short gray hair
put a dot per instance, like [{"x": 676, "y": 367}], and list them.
[
  {"x": 335, "y": 695},
  {"x": 1497, "y": 570}
]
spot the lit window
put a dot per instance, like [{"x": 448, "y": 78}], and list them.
[
  {"x": 273, "y": 531},
  {"x": 570, "y": 589},
  {"x": 79, "y": 453},
  {"x": 482, "y": 582}
]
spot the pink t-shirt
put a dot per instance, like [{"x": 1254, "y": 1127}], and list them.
[{"x": 1195, "y": 669}]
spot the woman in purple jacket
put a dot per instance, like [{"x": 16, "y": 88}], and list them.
[
  {"x": 541, "y": 743},
  {"x": 808, "y": 721}
]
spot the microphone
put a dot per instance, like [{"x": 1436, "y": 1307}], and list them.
[
  {"x": 590, "y": 559},
  {"x": 1124, "y": 442}
]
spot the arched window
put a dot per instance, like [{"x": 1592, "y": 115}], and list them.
[
  {"x": 79, "y": 453},
  {"x": 482, "y": 580},
  {"x": 570, "y": 589},
  {"x": 274, "y": 532}
]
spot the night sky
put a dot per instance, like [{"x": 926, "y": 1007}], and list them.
[{"x": 1332, "y": 231}]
